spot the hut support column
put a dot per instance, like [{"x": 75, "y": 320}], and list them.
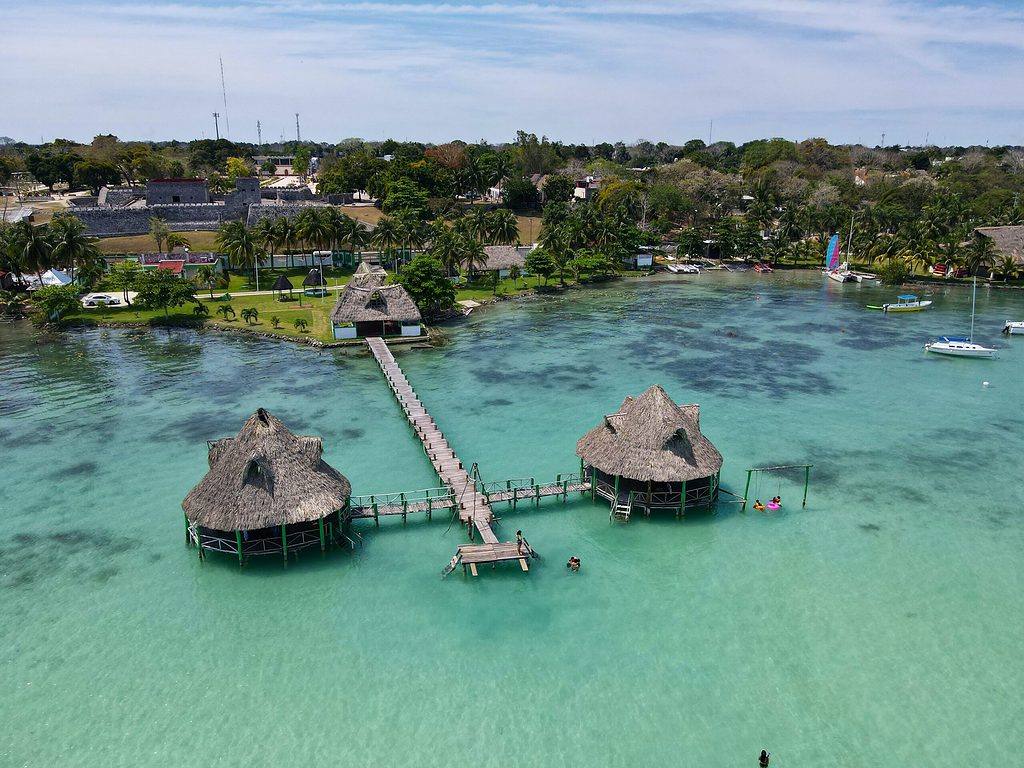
[
  {"x": 284, "y": 544},
  {"x": 745, "y": 489},
  {"x": 593, "y": 483},
  {"x": 807, "y": 481},
  {"x": 238, "y": 541},
  {"x": 616, "y": 499},
  {"x": 682, "y": 500},
  {"x": 323, "y": 544},
  {"x": 188, "y": 539}
]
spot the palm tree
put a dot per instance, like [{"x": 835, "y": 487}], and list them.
[
  {"x": 471, "y": 254},
  {"x": 285, "y": 233},
  {"x": 250, "y": 314},
  {"x": 224, "y": 310},
  {"x": 33, "y": 247},
  {"x": 265, "y": 233},
  {"x": 300, "y": 325},
  {"x": 385, "y": 235},
  {"x": 981, "y": 253},
  {"x": 206, "y": 276},
  {"x": 71, "y": 246},
  {"x": 1007, "y": 267},
  {"x": 275, "y": 321},
  {"x": 238, "y": 242},
  {"x": 201, "y": 310},
  {"x": 445, "y": 248},
  {"x": 477, "y": 223},
  {"x": 503, "y": 227},
  {"x": 176, "y": 240}
]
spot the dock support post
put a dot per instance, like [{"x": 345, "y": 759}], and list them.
[
  {"x": 593, "y": 483},
  {"x": 429, "y": 505},
  {"x": 405, "y": 508},
  {"x": 323, "y": 543},
  {"x": 745, "y": 489},
  {"x": 376, "y": 518},
  {"x": 615, "y": 500},
  {"x": 711, "y": 489},
  {"x": 238, "y": 542},
  {"x": 682, "y": 501},
  {"x": 188, "y": 539},
  {"x": 807, "y": 481},
  {"x": 284, "y": 544}
]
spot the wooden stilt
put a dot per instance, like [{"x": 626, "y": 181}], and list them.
[
  {"x": 323, "y": 543},
  {"x": 238, "y": 541},
  {"x": 284, "y": 544}
]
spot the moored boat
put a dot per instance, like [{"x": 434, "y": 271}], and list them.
[
  {"x": 1013, "y": 328},
  {"x": 906, "y": 303},
  {"x": 958, "y": 346}
]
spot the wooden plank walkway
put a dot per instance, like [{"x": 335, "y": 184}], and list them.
[{"x": 474, "y": 510}]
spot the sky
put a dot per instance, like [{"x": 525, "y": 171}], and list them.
[{"x": 608, "y": 70}]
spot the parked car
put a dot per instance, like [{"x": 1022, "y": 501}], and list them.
[{"x": 101, "y": 300}]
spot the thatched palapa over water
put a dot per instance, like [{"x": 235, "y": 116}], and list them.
[
  {"x": 654, "y": 449},
  {"x": 269, "y": 484},
  {"x": 375, "y": 310}
]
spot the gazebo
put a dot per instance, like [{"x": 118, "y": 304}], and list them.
[
  {"x": 368, "y": 275},
  {"x": 315, "y": 281},
  {"x": 281, "y": 285},
  {"x": 376, "y": 310},
  {"x": 268, "y": 491},
  {"x": 650, "y": 454}
]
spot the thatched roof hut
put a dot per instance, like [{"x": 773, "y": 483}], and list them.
[
  {"x": 384, "y": 303},
  {"x": 265, "y": 477},
  {"x": 314, "y": 279},
  {"x": 282, "y": 283},
  {"x": 501, "y": 257},
  {"x": 368, "y": 275},
  {"x": 1008, "y": 241},
  {"x": 653, "y": 450}
]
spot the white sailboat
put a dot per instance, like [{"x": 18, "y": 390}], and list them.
[
  {"x": 834, "y": 271},
  {"x": 957, "y": 346},
  {"x": 1013, "y": 328}
]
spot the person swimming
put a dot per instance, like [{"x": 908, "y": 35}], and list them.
[
  {"x": 573, "y": 564},
  {"x": 777, "y": 500},
  {"x": 763, "y": 760},
  {"x": 758, "y": 505}
]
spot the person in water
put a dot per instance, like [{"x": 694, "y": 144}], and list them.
[
  {"x": 777, "y": 500},
  {"x": 763, "y": 760},
  {"x": 758, "y": 505},
  {"x": 574, "y": 563}
]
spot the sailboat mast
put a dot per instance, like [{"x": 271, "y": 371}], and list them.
[
  {"x": 849, "y": 242},
  {"x": 974, "y": 297}
]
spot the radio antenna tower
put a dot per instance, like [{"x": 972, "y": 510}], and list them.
[
  {"x": 224, "y": 92},
  {"x": 298, "y": 133},
  {"x": 259, "y": 133},
  {"x": 216, "y": 125}
]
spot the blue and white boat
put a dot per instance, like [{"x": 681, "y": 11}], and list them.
[
  {"x": 959, "y": 346},
  {"x": 835, "y": 271}
]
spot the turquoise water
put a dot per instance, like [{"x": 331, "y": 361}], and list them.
[{"x": 877, "y": 627}]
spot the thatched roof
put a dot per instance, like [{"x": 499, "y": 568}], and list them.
[
  {"x": 651, "y": 438},
  {"x": 265, "y": 476},
  {"x": 282, "y": 284},
  {"x": 1008, "y": 241},
  {"x": 368, "y": 275},
  {"x": 375, "y": 303},
  {"x": 502, "y": 257},
  {"x": 314, "y": 279}
]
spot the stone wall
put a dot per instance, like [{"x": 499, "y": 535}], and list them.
[
  {"x": 287, "y": 194},
  {"x": 278, "y": 211},
  {"x": 118, "y": 197},
  {"x": 173, "y": 191},
  {"x": 104, "y": 222}
]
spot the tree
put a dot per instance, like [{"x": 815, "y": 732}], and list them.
[
  {"x": 31, "y": 248},
  {"x": 275, "y": 321},
  {"x": 123, "y": 277},
  {"x": 405, "y": 196},
  {"x": 514, "y": 273},
  {"x": 502, "y": 228},
  {"x": 300, "y": 164},
  {"x": 224, "y": 310},
  {"x": 1007, "y": 268},
  {"x": 53, "y": 301},
  {"x": 176, "y": 240},
  {"x": 520, "y": 193},
  {"x": 558, "y": 188},
  {"x": 427, "y": 284},
  {"x": 206, "y": 275},
  {"x": 539, "y": 262},
  {"x": 201, "y": 310},
  {"x": 385, "y": 235},
  {"x": 239, "y": 243},
  {"x": 301, "y": 324},
  {"x": 159, "y": 231},
  {"x": 234, "y": 167},
  {"x": 93, "y": 174},
  {"x": 250, "y": 314},
  {"x": 71, "y": 246},
  {"x": 268, "y": 168},
  {"x": 161, "y": 289}
]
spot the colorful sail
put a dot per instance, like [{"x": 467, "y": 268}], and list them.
[{"x": 833, "y": 253}]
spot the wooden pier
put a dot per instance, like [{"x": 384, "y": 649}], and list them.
[{"x": 466, "y": 494}]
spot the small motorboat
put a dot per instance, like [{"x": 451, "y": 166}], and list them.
[
  {"x": 1013, "y": 328},
  {"x": 906, "y": 303},
  {"x": 689, "y": 269}
]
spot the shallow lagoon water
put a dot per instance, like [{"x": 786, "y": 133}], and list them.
[{"x": 878, "y": 627}]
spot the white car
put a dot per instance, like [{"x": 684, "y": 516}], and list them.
[{"x": 101, "y": 300}]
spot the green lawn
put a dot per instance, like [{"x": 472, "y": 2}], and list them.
[
  {"x": 244, "y": 281},
  {"x": 483, "y": 288}
]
